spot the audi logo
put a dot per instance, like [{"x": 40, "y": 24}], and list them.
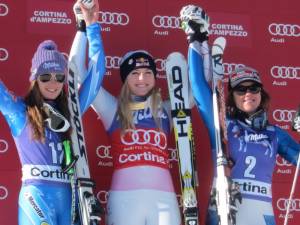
[
  {"x": 3, "y": 146},
  {"x": 112, "y": 62},
  {"x": 3, "y": 9},
  {"x": 285, "y": 72},
  {"x": 173, "y": 155},
  {"x": 102, "y": 196},
  {"x": 3, "y": 54},
  {"x": 282, "y": 162},
  {"x": 172, "y": 22},
  {"x": 283, "y": 115},
  {"x": 113, "y": 18},
  {"x": 141, "y": 137},
  {"x": 279, "y": 29},
  {"x": 282, "y": 204},
  {"x": 3, "y": 192},
  {"x": 103, "y": 152}
]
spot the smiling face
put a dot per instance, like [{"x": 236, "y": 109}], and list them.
[
  {"x": 141, "y": 81},
  {"x": 250, "y": 100},
  {"x": 50, "y": 89}
]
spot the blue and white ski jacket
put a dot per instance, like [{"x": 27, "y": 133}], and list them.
[
  {"x": 253, "y": 152},
  {"x": 41, "y": 162}
]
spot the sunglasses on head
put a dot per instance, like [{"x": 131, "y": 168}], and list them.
[
  {"x": 242, "y": 90},
  {"x": 47, "y": 77}
]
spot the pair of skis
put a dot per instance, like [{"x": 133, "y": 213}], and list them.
[{"x": 176, "y": 70}]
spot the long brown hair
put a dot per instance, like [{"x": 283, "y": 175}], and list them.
[
  {"x": 36, "y": 116},
  {"x": 125, "y": 113}
]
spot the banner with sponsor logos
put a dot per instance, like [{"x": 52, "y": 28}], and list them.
[{"x": 264, "y": 35}]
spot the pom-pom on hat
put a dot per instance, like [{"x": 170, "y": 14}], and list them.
[
  {"x": 243, "y": 73},
  {"x": 135, "y": 60},
  {"x": 47, "y": 59}
]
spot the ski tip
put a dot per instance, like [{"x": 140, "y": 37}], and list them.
[
  {"x": 175, "y": 59},
  {"x": 173, "y": 55},
  {"x": 218, "y": 46}
]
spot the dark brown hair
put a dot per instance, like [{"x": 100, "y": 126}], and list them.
[
  {"x": 233, "y": 111},
  {"x": 36, "y": 116}
]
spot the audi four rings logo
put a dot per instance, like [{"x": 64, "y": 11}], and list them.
[
  {"x": 3, "y": 54},
  {"x": 113, "y": 18},
  {"x": 283, "y": 115},
  {"x": 166, "y": 21},
  {"x": 103, "y": 152},
  {"x": 3, "y": 192},
  {"x": 3, "y": 146},
  {"x": 230, "y": 67},
  {"x": 102, "y": 196},
  {"x": 141, "y": 137},
  {"x": 282, "y": 204},
  {"x": 112, "y": 62},
  {"x": 3, "y": 9},
  {"x": 279, "y": 29},
  {"x": 282, "y": 162},
  {"x": 285, "y": 72}
]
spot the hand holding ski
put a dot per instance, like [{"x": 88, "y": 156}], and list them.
[
  {"x": 90, "y": 209},
  {"x": 195, "y": 23},
  {"x": 87, "y": 10}
]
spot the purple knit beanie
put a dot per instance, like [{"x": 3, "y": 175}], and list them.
[{"x": 47, "y": 59}]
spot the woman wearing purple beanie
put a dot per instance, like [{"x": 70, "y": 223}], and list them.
[{"x": 39, "y": 124}]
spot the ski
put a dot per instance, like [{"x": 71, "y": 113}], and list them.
[
  {"x": 176, "y": 71},
  {"x": 295, "y": 121},
  {"x": 219, "y": 113},
  {"x": 89, "y": 206}
]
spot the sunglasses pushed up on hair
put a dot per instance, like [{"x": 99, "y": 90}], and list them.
[
  {"x": 242, "y": 90},
  {"x": 60, "y": 78}
]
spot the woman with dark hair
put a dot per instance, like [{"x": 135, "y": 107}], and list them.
[
  {"x": 253, "y": 143},
  {"x": 39, "y": 124}
]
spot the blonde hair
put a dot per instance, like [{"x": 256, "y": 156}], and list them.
[{"x": 124, "y": 112}]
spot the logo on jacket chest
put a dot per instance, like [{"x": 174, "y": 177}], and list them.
[
  {"x": 144, "y": 137},
  {"x": 144, "y": 114},
  {"x": 244, "y": 137}
]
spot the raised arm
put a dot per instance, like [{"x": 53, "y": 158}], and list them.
[
  {"x": 91, "y": 78},
  {"x": 195, "y": 25},
  {"x": 13, "y": 109}
]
